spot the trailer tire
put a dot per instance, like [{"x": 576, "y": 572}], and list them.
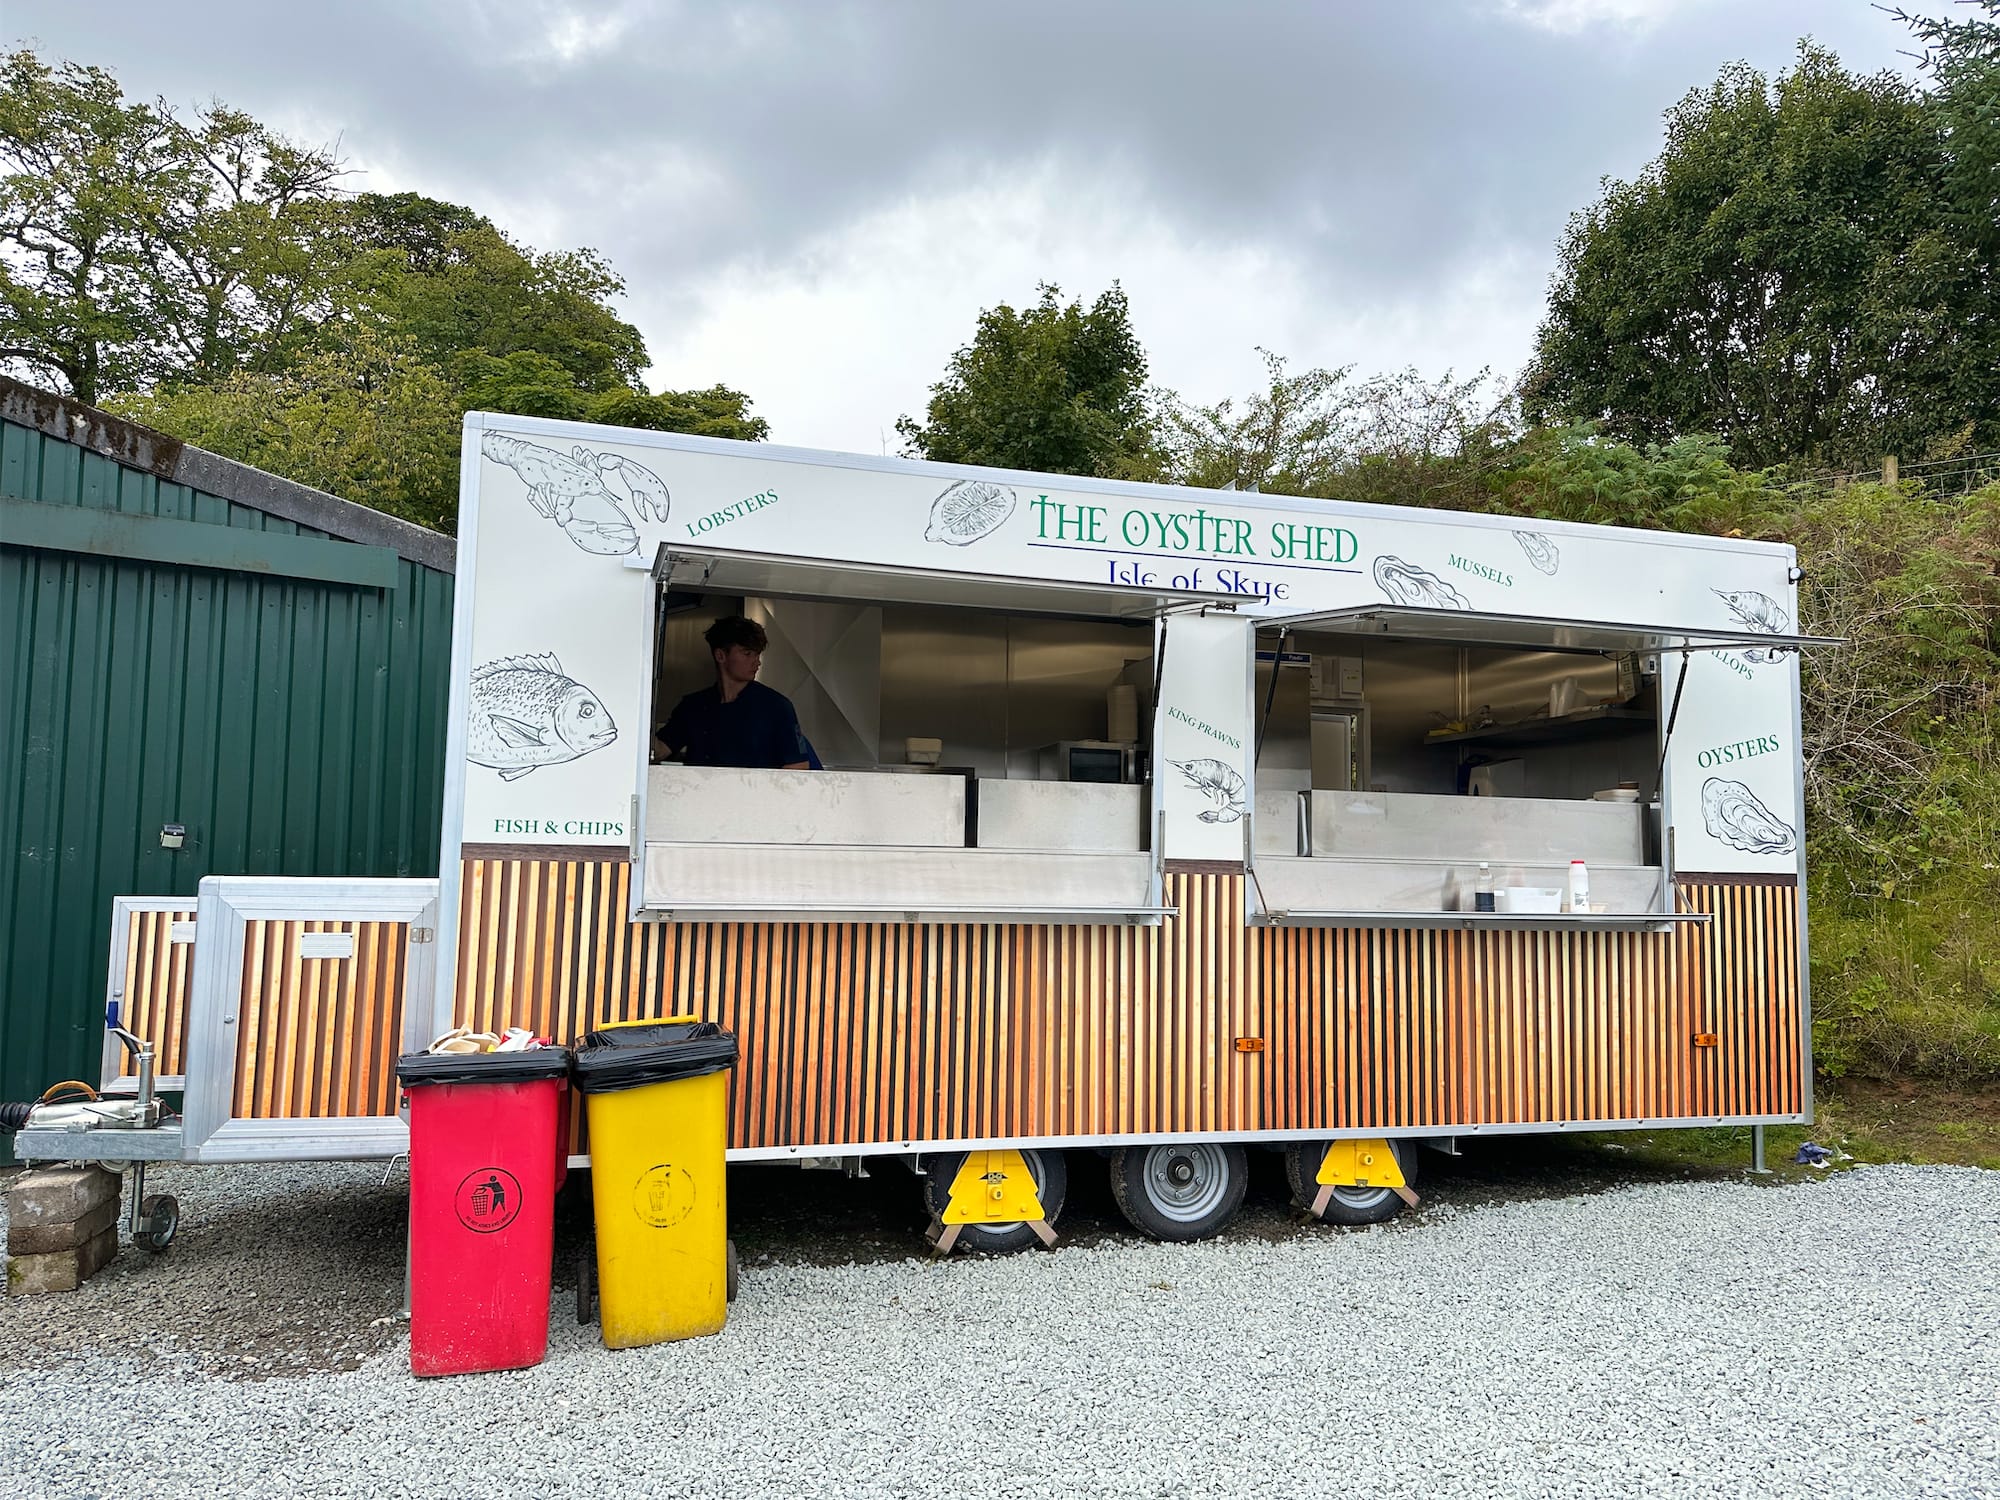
[
  {"x": 1051, "y": 1184},
  {"x": 1351, "y": 1206},
  {"x": 1186, "y": 1191},
  {"x": 586, "y": 1286}
]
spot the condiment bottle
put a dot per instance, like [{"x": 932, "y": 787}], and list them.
[
  {"x": 1579, "y": 886},
  {"x": 1482, "y": 896}
]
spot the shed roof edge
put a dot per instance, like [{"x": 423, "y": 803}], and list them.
[{"x": 137, "y": 447}]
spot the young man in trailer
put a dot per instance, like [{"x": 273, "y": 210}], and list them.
[{"x": 739, "y": 721}]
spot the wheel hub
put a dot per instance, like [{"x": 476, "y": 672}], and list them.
[{"x": 1186, "y": 1183}]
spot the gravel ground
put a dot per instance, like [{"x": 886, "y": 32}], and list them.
[{"x": 1540, "y": 1327}]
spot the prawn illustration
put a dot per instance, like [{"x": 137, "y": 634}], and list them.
[
  {"x": 569, "y": 491},
  {"x": 1755, "y": 611},
  {"x": 1218, "y": 781}
]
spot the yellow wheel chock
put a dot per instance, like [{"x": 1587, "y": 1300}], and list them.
[
  {"x": 1363, "y": 1163},
  {"x": 992, "y": 1187}
]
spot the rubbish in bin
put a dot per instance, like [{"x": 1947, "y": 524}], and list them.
[
  {"x": 656, "y": 1094},
  {"x": 484, "y": 1155}
]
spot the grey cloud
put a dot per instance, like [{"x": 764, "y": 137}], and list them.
[{"x": 1382, "y": 144}]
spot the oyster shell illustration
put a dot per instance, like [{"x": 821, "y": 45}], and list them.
[
  {"x": 1406, "y": 583},
  {"x": 1542, "y": 552},
  {"x": 1733, "y": 816},
  {"x": 967, "y": 511},
  {"x": 1217, "y": 780}
]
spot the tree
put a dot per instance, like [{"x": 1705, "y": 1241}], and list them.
[
  {"x": 135, "y": 246},
  {"x": 368, "y": 420},
  {"x": 1291, "y": 438},
  {"x": 1055, "y": 388},
  {"x": 1779, "y": 276},
  {"x": 447, "y": 279}
]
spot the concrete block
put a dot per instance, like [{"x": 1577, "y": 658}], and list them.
[
  {"x": 61, "y": 1270},
  {"x": 60, "y": 1195},
  {"x": 42, "y": 1239}
]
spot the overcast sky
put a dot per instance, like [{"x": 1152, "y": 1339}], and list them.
[{"x": 813, "y": 201}]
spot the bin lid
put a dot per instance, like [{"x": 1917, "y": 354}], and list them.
[
  {"x": 629, "y": 1057},
  {"x": 414, "y": 1068}
]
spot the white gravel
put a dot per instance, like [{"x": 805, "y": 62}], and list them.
[{"x": 1837, "y": 1337}]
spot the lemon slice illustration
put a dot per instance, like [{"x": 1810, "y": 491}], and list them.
[{"x": 969, "y": 510}]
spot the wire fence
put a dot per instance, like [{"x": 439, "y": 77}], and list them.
[{"x": 1959, "y": 475}]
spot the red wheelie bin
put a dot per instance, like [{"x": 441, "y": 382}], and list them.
[{"x": 484, "y": 1157}]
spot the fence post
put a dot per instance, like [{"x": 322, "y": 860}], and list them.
[{"x": 1888, "y": 468}]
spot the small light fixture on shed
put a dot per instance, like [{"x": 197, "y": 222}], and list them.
[
  {"x": 1705, "y": 1039},
  {"x": 1249, "y": 1044},
  {"x": 172, "y": 835}
]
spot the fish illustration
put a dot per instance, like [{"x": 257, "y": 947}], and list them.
[
  {"x": 1406, "y": 583},
  {"x": 1219, "y": 781},
  {"x": 648, "y": 490},
  {"x": 967, "y": 511},
  {"x": 1733, "y": 816},
  {"x": 527, "y": 712},
  {"x": 569, "y": 492},
  {"x": 1755, "y": 611},
  {"x": 1542, "y": 552}
]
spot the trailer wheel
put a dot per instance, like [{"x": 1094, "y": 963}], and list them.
[
  {"x": 1051, "y": 1182},
  {"x": 1187, "y": 1191},
  {"x": 729, "y": 1270},
  {"x": 160, "y": 1217},
  {"x": 1349, "y": 1205}
]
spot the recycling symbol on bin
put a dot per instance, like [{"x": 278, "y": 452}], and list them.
[
  {"x": 488, "y": 1199},
  {"x": 664, "y": 1195}
]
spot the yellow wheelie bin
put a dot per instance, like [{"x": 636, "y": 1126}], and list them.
[{"x": 656, "y": 1101}]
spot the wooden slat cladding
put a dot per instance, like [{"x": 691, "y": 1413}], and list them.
[
  {"x": 856, "y": 1033},
  {"x": 317, "y": 1038},
  {"x": 155, "y": 982}
]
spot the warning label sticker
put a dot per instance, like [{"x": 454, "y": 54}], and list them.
[{"x": 488, "y": 1199}]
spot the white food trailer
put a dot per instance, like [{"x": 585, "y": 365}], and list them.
[{"x": 1155, "y": 820}]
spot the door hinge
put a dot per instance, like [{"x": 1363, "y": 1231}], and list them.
[{"x": 423, "y": 934}]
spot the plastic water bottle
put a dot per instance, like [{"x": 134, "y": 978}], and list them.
[
  {"x": 1482, "y": 895},
  {"x": 1579, "y": 886}
]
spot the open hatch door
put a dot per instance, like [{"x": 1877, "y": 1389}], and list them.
[
  {"x": 1466, "y": 627},
  {"x": 771, "y": 575},
  {"x": 868, "y": 846}
]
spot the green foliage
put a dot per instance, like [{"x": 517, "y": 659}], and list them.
[
  {"x": 1056, "y": 388},
  {"x": 369, "y": 421},
  {"x": 203, "y": 276},
  {"x": 449, "y": 281},
  {"x": 1781, "y": 277},
  {"x": 136, "y": 246}
]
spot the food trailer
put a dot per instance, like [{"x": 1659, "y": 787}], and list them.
[{"x": 1156, "y": 821}]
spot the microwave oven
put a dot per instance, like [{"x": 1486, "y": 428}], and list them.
[{"x": 1089, "y": 760}]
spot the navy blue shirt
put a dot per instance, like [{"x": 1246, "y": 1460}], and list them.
[{"x": 759, "y": 729}]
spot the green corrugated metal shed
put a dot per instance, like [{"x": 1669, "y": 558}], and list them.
[{"x": 189, "y": 640}]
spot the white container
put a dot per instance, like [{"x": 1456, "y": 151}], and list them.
[
  {"x": 1579, "y": 886},
  {"x": 1524, "y": 899}
]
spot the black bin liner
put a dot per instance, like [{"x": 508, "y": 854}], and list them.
[
  {"x": 415, "y": 1069},
  {"x": 630, "y": 1057}
]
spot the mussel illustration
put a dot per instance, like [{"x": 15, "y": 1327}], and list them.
[
  {"x": 967, "y": 511},
  {"x": 1542, "y": 552},
  {"x": 1406, "y": 583},
  {"x": 1734, "y": 816}
]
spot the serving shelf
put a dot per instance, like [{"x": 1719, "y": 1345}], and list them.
[{"x": 1491, "y": 921}]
